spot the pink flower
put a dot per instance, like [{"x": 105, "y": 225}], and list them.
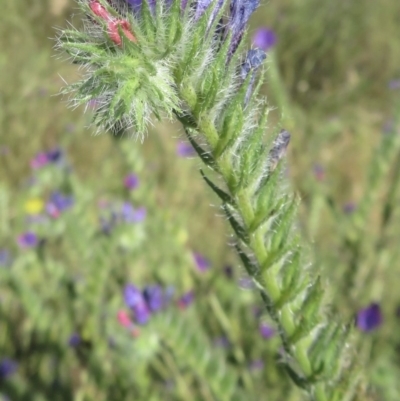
[{"x": 124, "y": 319}]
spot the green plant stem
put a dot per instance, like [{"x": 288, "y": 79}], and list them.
[{"x": 267, "y": 282}]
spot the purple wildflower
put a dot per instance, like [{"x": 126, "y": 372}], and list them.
[
  {"x": 58, "y": 203},
  {"x": 74, "y": 340},
  {"x": 131, "y": 181},
  {"x": 39, "y": 161},
  {"x": 54, "y": 155},
  {"x": 369, "y": 318},
  {"x": 7, "y": 368},
  {"x": 185, "y": 149},
  {"x": 132, "y": 295},
  {"x": 186, "y": 300},
  {"x": 240, "y": 12},
  {"x": 43, "y": 158},
  {"x": 131, "y": 215},
  {"x": 266, "y": 331},
  {"x": 28, "y": 240},
  {"x": 135, "y": 300},
  {"x": 141, "y": 312},
  {"x": 264, "y": 38},
  {"x": 140, "y": 214},
  {"x": 153, "y": 294},
  {"x": 202, "y": 263}
]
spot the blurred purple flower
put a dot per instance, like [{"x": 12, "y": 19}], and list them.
[
  {"x": 185, "y": 149},
  {"x": 369, "y": 318},
  {"x": 264, "y": 38},
  {"x": 131, "y": 215},
  {"x": 349, "y": 207},
  {"x": 135, "y": 300},
  {"x": 131, "y": 181},
  {"x": 27, "y": 240},
  {"x": 266, "y": 331},
  {"x": 140, "y": 214},
  {"x": 43, "y": 158},
  {"x": 5, "y": 258},
  {"x": 186, "y": 300},
  {"x": 257, "y": 364},
  {"x": 58, "y": 203},
  {"x": 154, "y": 297},
  {"x": 141, "y": 312},
  {"x": 7, "y": 368},
  {"x": 74, "y": 340},
  {"x": 132, "y": 295},
  {"x": 201, "y": 262},
  {"x": 39, "y": 160},
  {"x": 55, "y": 155}
]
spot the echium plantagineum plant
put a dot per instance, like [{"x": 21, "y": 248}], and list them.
[{"x": 188, "y": 59}]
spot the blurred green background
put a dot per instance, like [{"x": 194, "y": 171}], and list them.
[{"x": 334, "y": 76}]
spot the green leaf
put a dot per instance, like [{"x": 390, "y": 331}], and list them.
[
  {"x": 225, "y": 197},
  {"x": 240, "y": 231},
  {"x": 206, "y": 157}
]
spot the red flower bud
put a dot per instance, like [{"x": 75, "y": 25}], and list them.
[
  {"x": 99, "y": 10},
  {"x": 113, "y": 31}
]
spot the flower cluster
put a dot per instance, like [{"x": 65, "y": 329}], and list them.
[
  {"x": 53, "y": 156},
  {"x": 57, "y": 203},
  {"x": 135, "y": 64},
  {"x": 142, "y": 303},
  {"x": 118, "y": 213}
]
